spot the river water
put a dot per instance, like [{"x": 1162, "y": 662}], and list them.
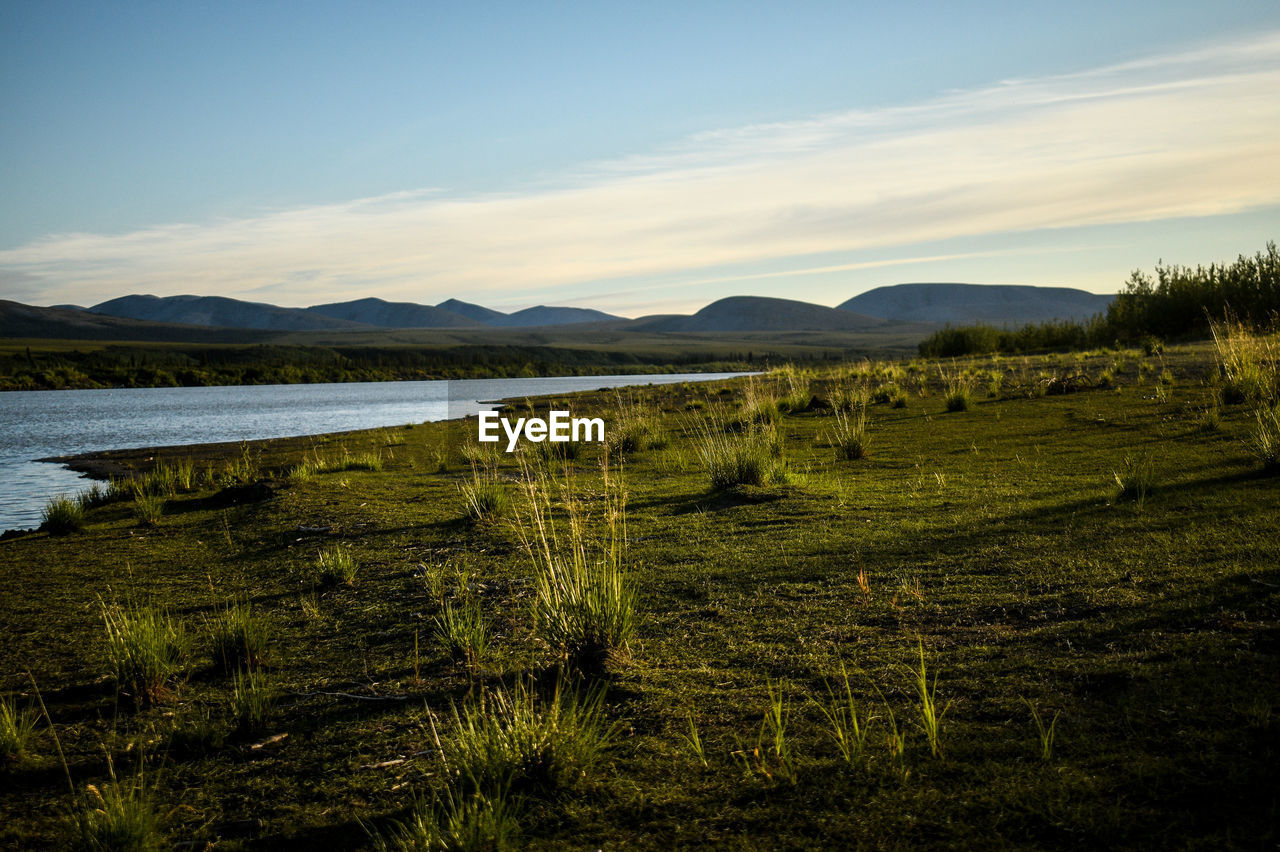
[{"x": 40, "y": 424}]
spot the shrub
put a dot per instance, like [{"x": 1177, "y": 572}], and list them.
[
  {"x": 336, "y": 566},
  {"x": 62, "y": 515},
  {"x": 145, "y": 650}
]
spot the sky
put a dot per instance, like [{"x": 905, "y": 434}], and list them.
[{"x": 638, "y": 158}]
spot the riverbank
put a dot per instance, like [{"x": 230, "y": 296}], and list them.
[{"x": 1105, "y": 656}]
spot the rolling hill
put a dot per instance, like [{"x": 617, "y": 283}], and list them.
[
  {"x": 760, "y": 313},
  {"x": 219, "y": 311},
  {"x": 965, "y": 304}
]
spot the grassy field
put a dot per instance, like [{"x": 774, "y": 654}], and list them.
[{"x": 1016, "y": 602}]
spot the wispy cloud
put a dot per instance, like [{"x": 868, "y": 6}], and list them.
[{"x": 1189, "y": 134}]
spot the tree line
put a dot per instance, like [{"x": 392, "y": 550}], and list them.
[{"x": 1176, "y": 303}]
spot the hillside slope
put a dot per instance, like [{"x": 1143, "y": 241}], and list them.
[
  {"x": 964, "y": 304},
  {"x": 760, "y": 313}
]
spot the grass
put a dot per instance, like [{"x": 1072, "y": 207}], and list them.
[
  {"x": 510, "y": 742},
  {"x": 992, "y": 540},
  {"x": 120, "y": 815},
  {"x": 929, "y": 717},
  {"x": 485, "y": 498},
  {"x": 485, "y": 823},
  {"x": 847, "y": 728},
  {"x": 849, "y": 435},
  {"x": 146, "y": 650},
  {"x": 1135, "y": 480},
  {"x": 463, "y": 632},
  {"x": 753, "y": 457},
  {"x": 583, "y": 599},
  {"x": 1046, "y": 733},
  {"x": 253, "y": 700},
  {"x": 62, "y": 515},
  {"x": 148, "y": 508},
  {"x": 238, "y": 638},
  {"x": 17, "y": 728},
  {"x": 335, "y": 566},
  {"x": 1265, "y": 440}
]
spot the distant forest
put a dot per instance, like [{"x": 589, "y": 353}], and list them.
[
  {"x": 1177, "y": 304},
  {"x": 157, "y": 365}
]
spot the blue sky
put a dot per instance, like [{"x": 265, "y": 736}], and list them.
[{"x": 639, "y": 158}]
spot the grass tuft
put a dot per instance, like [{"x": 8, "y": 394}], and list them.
[
  {"x": 485, "y": 823},
  {"x": 463, "y": 632},
  {"x": 62, "y": 515},
  {"x": 1135, "y": 481},
  {"x": 753, "y": 457},
  {"x": 17, "y": 728},
  {"x": 509, "y": 740},
  {"x": 121, "y": 815},
  {"x": 145, "y": 650},
  {"x": 239, "y": 638},
  {"x": 930, "y": 718},
  {"x": 849, "y": 435},
  {"x": 335, "y": 566}
]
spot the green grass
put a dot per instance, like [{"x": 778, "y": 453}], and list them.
[
  {"x": 1265, "y": 440},
  {"x": 993, "y": 539},
  {"x": 849, "y": 435},
  {"x": 462, "y": 822},
  {"x": 511, "y": 742},
  {"x": 145, "y": 649},
  {"x": 120, "y": 815},
  {"x": 238, "y": 638},
  {"x": 335, "y": 566},
  {"x": 148, "y": 508},
  {"x": 62, "y": 515},
  {"x": 752, "y": 457},
  {"x": 17, "y": 728},
  {"x": 253, "y": 700},
  {"x": 463, "y": 632}
]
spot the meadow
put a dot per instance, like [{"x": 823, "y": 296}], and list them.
[{"x": 996, "y": 602}]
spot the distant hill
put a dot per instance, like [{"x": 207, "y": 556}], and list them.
[
  {"x": 219, "y": 311},
  {"x": 965, "y": 304},
  {"x": 540, "y": 315},
  {"x": 477, "y": 313},
  {"x": 761, "y": 313},
  {"x": 18, "y": 320},
  {"x": 376, "y": 312},
  {"x": 357, "y": 314}
]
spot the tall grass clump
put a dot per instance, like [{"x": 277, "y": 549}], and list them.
[
  {"x": 145, "y": 650},
  {"x": 1247, "y": 363},
  {"x": 485, "y": 497},
  {"x": 509, "y": 741},
  {"x": 1265, "y": 440},
  {"x": 846, "y": 727},
  {"x": 929, "y": 717},
  {"x": 584, "y": 600},
  {"x": 238, "y": 638},
  {"x": 120, "y": 815},
  {"x": 148, "y": 508},
  {"x": 463, "y": 632},
  {"x": 796, "y": 396},
  {"x": 771, "y": 753},
  {"x": 17, "y": 728},
  {"x": 958, "y": 395},
  {"x": 62, "y": 515},
  {"x": 1136, "y": 480},
  {"x": 752, "y": 457},
  {"x": 455, "y": 821},
  {"x": 848, "y": 398},
  {"x": 635, "y": 429},
  {"x": 253, "y": 700},
  {"x": 849, "y": 435},
  {"x": 336, "y": 566},
  {"x": 759, "y": 406}
]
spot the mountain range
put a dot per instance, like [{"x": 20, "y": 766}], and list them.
[{"x": 902, "y": 307}]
